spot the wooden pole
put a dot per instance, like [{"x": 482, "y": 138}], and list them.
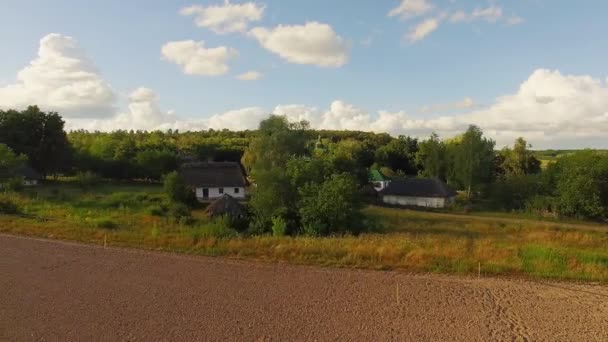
[
  {"x": 478, "y": 270},
  {"x": 105, "y": 241}
]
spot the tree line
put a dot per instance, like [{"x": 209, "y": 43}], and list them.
[{"x": 300, "y": 171}]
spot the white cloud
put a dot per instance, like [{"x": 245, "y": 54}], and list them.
[
  {"x": 422, "y": 30},
  {"x": 490, "y": 14},
  {"x": 225, "y": 18},
  {"x": 411, "y": 8},
  {"x": 195, "y": 59},
  {"x": 313, "y": 43},
  {"x": 250, "y": 76},
  {"x": 61, "y": 78},
  {"x": 466, "y": 103}
]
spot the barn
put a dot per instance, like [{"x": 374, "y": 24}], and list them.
[
  {"x": 419, "y": 192},
  {"x": 212, "y": 180}
]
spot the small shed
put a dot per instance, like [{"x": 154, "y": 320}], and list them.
[
  {"x": 419, "y": 192},
  {"x": 226, "y": 205}
]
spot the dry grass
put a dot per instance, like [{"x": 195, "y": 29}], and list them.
[{"x": 408, "y": 240}]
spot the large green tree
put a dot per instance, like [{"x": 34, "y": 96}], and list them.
[
  {"x": 10, "y": 163},
  {"x": 519, "y": 160},
  {"x": 473, "y": 159},
  {"x": 399, "y": 155},
  {"x": 38, "y": 135},
  {"x": 431, "y": 157}
]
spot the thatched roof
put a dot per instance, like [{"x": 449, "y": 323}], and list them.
[
  {"x": 213, "y": 174},
  {"x": 225, "y": 205},
  {"x": 418, "y": 187}
]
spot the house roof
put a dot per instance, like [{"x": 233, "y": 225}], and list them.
[
  {"x": 225, "y": 205},
  {"x": 418, "y": 187},
  {"x": 213, "y": 174},
  {"x": 375, "y": 175},
  {"x": 29, "y": 174}
]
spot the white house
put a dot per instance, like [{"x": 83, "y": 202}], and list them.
[
  {"x": 30, "y": 176},
  {"x": 211, "y": 180},
  {"x": 419, "y": 192},
  {"x": 378, "y": 179}
]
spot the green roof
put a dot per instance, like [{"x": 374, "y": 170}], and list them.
[{"x": 376, "y": 176}]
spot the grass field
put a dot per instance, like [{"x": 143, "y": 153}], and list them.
[{"x": 126, "y": 215}]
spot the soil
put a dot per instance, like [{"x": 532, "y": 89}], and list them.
[{"x": 60, "y": 291}]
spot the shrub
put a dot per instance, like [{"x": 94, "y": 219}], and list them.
[
  {"x": 279, "y": 226},
  {"x": 8, "y": 206},
  {"x": 156, "y": 210},
  {"x": 176, "y": 189},
  {"x": 14, "y": 184},
  {"x": 177, "y": 211},
  {"x": 86, "y": 180},
  {"x": 106, "y": 223},
  {"x": 218, "y": 228}
]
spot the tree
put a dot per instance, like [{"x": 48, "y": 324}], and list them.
[
  {"x": 473, "y": 159},
  {"x": 519, "y": 160},
  {"x": 277, "y": 141},
  {"x": 10, "y": 164},
  {"x": 330, "y": 207},
  {"x": 38, "y": 135},
  {"x": 399, "y": 154},
  {"x": 431, "y": 157},
  {"x": 582, "y": 184}
]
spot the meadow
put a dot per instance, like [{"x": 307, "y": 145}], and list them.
[{"x": 130, "y": 215}]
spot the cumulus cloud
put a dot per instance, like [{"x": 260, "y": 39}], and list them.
[
  {"x": 61, "y": 78},
  {"x": 312, "y": 43},
  {"x": 411, "y": 8},
  {"x": 195, "y": 59},
  {"x": 225, "y": 18},
  {"x": 422, "y": 30},
  {"x": 250, "y": 76}
]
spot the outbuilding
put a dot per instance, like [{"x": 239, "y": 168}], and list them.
[
  {"x": 211, "y": 180},
  {"x": 419, "y": 192}
]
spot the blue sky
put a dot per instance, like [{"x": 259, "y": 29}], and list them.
[{"x": 480, "y": 58}]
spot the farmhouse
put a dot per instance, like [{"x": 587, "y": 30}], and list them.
[
  {"x": 420, "y": 192},
  {"x": 378, "y": 180},
  {"x": 211, "y": 180}
]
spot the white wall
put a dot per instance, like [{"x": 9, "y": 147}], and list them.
[
  {"x": 380, "y": 185},
  {"x": 215, "y": 192},
  {"x": 428, "y": 202},
  {"x": 30, "y": 182}
]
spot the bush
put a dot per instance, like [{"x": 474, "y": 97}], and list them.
[
  {"x": 217, "y": 228},
  {"x": 106, "y": 223},
  {"x": 176, "y": 189},
  {"x": 156, "y": 210},
  {"x": 86, "y": 180},
  {"x": 177, "y": 211},
  {"x": 279, "y": 226},
  {"x": 8, "y": 206},
  {"x": 14, "y": 184}
]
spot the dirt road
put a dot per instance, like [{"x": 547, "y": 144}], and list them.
[{"x": 57, "y": 291}]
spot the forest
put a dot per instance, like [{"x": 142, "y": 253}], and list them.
[{"x": 290, "y": 162}]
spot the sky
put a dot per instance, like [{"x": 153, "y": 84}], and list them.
[{"x": 531, "y": 68}]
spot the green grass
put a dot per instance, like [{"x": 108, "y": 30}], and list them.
[{"x": 128, "y": 215}]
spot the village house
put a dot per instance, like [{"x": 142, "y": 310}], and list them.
[
  {"x": 419, "y": 192},
  {"x": 212, "y": 180}
]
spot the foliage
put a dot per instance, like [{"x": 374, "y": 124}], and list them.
[
  {"x": 179, "y": 212},
  {"x": 431, "y": 157},
  {"x": 399, "y": 154},
  {"x": 86, "y": 180},
  {"x": 105, "y": 223},
  {"x": 8, "y": 206},
  {"x": 37, "y": 135},
  {"x": 176, "y": 190},
  {"x": 10, "y": 163},
  {"x": 330, "y": 207},
  {"x": 279, "y": 226},
  {"x": 519, "y": 160},
  {"x": 582, "y": 185},
  {"x": 472, "y": 157}
]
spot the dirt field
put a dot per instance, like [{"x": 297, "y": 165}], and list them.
[{"x": 63, "y": 291}]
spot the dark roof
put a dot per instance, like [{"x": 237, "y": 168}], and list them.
[
  {"x": 29, "y": 174},
  {"x": 225, "y": 205},
  {"x": 418, "y": 187},
  {"x": 213, "y": 174}
]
